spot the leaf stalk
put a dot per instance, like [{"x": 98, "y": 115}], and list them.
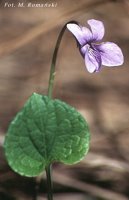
[{"x": 49, "y": 183}]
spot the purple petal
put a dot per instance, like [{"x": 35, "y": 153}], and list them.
[
  {"x": 82, "y": 34},
  {"x": 92, "y": 60},
  {"x": 111, "y": 54},
  {"x": 86, "y": 33},
  {"x": 97, "y": 28}
]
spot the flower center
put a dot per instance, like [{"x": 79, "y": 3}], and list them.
[{"x": 90, "y": 49}]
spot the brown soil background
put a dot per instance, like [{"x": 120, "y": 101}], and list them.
[{"x": 27, "y": 39}]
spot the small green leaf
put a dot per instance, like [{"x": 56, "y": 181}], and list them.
[{"x": 45, "y": 131}]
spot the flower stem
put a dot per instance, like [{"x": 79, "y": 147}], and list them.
[
  {"x": 50, "y": 91},
  {"x": 49, "y": 183},
  {"x": 54, "y": 58}
]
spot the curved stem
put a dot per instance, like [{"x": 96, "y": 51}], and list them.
[
  {"x": 50, "y": 90},
  {"x": 54, "y": 58}
]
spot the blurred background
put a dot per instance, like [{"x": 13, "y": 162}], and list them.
[{"x": 27, "y": 39}]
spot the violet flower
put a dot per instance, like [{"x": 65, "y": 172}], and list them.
[{"x": 96, "y": 55}]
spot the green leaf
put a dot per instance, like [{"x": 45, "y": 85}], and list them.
[{"x": 45, "y": 131}]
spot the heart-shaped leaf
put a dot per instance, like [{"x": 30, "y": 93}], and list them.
[{"x": 45, "y": 131}]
